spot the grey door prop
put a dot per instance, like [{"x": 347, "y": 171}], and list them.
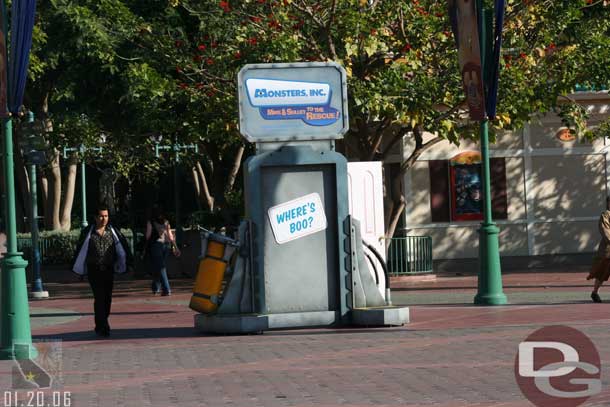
[{"x": 301, "y": 259}]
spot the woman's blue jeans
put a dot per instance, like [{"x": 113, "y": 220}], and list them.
[{"x": 158, "y": 259}]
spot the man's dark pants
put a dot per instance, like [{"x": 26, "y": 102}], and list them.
[{"x": 101, "y": 279}]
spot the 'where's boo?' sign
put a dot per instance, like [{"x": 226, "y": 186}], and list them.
[
  {"x": 298, "y": 101},
  {"x": 297, "y": 218}
]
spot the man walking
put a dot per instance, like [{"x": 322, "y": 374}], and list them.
[{"x": 102, "y": 251}]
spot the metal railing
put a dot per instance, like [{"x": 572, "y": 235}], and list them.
[
  {"x": 49, "y": 248},
  {"x": 409, "y": 255}
]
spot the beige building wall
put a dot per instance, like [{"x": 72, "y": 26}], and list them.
[
  {"x": 568, "y": 186},
  {"x": 555, "y": 191}
]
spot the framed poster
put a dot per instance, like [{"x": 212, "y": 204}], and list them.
[{"x": 466, "y": 187}]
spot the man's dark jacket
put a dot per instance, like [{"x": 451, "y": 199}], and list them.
[{"x": 122, "y": 240}]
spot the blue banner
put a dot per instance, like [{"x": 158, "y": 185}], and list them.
[
  {"x": 492, "y": 95},
  {"x": 22, "y": 23}
]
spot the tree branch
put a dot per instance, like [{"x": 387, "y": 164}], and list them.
[{"x": 329, "y": 37}]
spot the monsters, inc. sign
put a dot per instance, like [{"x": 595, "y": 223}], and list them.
[
  {"x": 282, "y": 102},
  {"x": 286, "y": 100}
]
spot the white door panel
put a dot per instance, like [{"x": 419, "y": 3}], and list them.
[{"x": 365, "y": 187}]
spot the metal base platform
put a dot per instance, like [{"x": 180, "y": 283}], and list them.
[
  {"x": 252, "y": 323},
  {"x": 380, "y": 316}
]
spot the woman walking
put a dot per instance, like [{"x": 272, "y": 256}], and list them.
[
  {"x": 160, "y": 239},
  {"x": 601, "y": 265}
]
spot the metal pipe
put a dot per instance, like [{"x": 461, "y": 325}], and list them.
[{"x": 388, "y": 299}]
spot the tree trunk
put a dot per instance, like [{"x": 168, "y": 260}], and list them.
[
  {"x": 54, "y": 197},
  {"x": 44, "y": 189},
  {"x": 197, "y": 186},
  {"x": 397, "y": 206},
  {"x": 68, "y": 201},
  {"x": 399, "y": 199},
  {"x": 235, "y": 168},
  {"x": 206, "y": 196},
  {"x": 22, "y": 202}
]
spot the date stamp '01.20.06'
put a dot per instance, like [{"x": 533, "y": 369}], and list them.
[
  {"x": 37, "y": 398},
  {"x": 37, "y": 382}
]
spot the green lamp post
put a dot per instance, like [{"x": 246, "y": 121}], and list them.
[
  {"x": 479, "y": 56},
  {"x": 37, "y": 290},
  {"x": 490, "y": 272},
  {"x": 15, "y": 333}
]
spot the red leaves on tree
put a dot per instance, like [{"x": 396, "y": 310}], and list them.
[
  {"x": 201, "y": 47},
  {"x": 225, "y": 6}
]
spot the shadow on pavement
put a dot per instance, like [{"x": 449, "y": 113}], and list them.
[
  {"x": 510, "y": 304},
  {"x": 82, "y": 314},
  {"x": 508, "y": 286},
  {"x": 119, "y": 334}
]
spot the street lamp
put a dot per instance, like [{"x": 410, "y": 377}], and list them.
[
  {"x": 479, "y": 56},
  {"x": 15, "y": 332},
  {"x": 82, "y": 149},
  {"x": 35, "y": 155},
  {"x": 176, "y": 148}
]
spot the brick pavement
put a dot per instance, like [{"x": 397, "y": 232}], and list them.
[{"x": 452, "y": 354}]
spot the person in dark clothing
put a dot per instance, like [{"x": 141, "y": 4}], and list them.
[
  {"x": 102, "y": 251},
  {"x": 160, "y": 240}
]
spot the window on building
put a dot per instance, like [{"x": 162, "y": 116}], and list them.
[{"x": 456, "y": 192}]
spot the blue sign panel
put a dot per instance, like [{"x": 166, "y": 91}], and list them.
[{"x": 301, "y": 101}]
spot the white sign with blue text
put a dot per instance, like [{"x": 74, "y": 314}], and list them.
[
  {"x": 297, "y": 218},
  {"x": 298, "y": 101}
]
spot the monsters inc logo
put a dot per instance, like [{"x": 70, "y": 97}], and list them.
[{"x": 292, "y": 100}]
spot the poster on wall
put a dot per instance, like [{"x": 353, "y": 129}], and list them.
[{"x": 466, "y": 187}]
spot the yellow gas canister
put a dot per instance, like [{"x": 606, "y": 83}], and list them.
[{"x": 210, "y": 283}]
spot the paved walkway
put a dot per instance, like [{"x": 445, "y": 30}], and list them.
[{"x": 452, "y": 353}]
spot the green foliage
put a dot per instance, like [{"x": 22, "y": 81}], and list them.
[
  {"x": 133, "y": 69},
  {"x": 56, "y": 247}
]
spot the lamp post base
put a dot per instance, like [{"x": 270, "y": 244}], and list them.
[
  {"x": 490, "y": 273},
  {"x": 15, "y": 334}
]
